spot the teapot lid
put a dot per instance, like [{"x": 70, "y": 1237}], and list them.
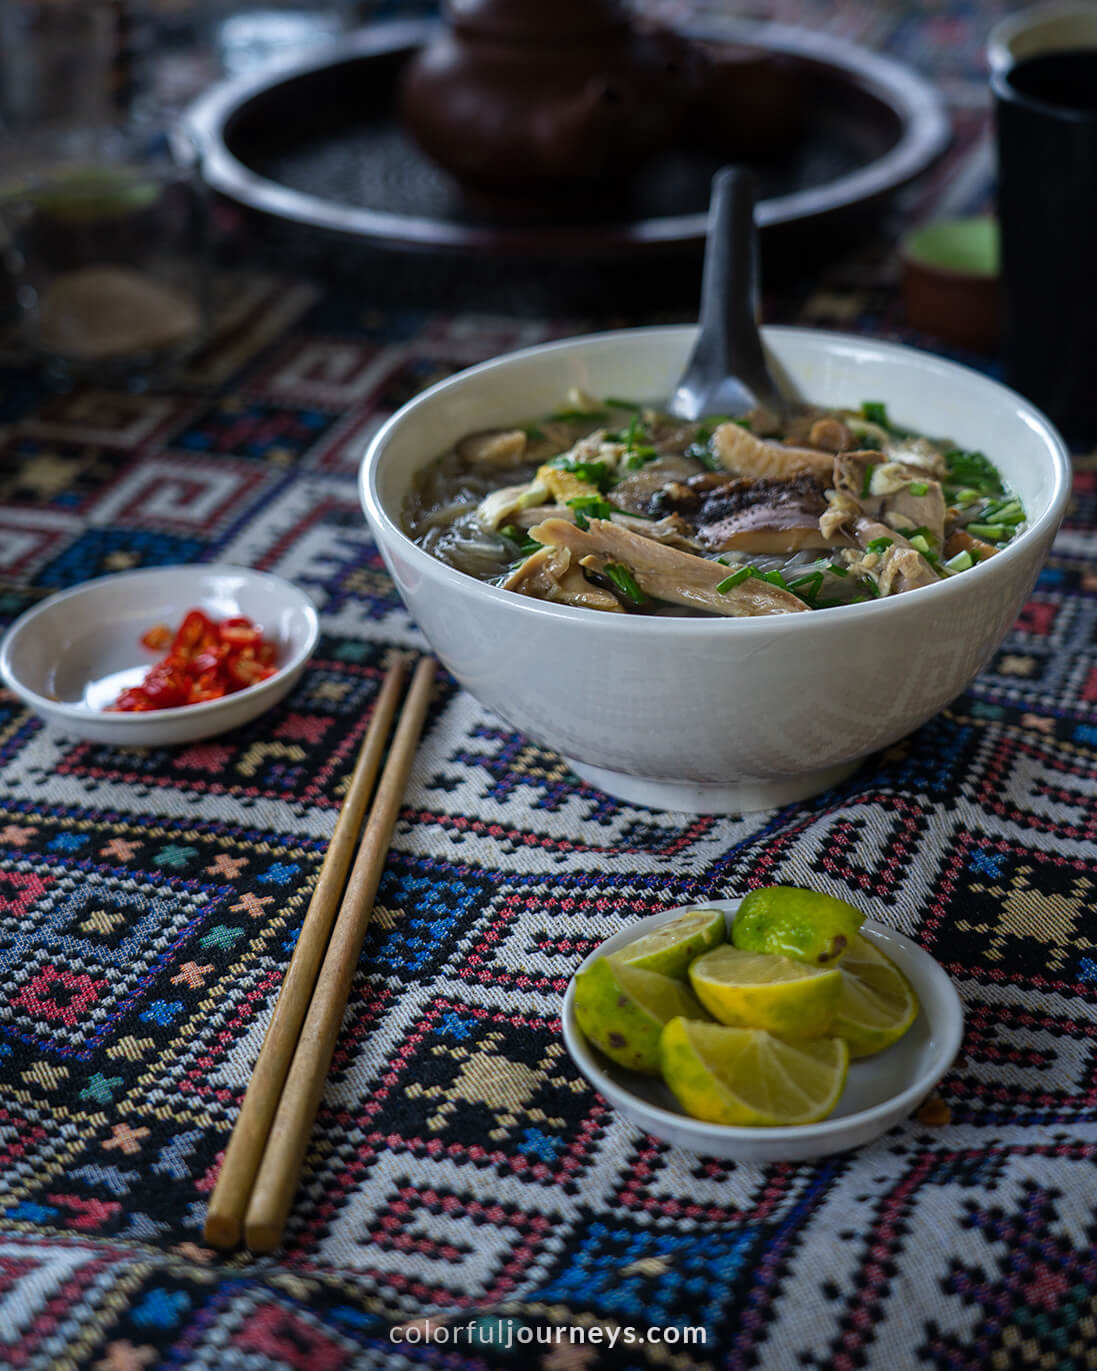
[{"x": 556, "y": 21}]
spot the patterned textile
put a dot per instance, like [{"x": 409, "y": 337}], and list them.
[{"x": 461, "y": 1171}]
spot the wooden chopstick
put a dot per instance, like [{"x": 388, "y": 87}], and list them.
[
  {"x": 288, "y": 1142},
  {"x": 225, "y": 1220}
]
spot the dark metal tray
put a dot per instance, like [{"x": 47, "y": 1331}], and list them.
[{"x": 319, "y": 145}]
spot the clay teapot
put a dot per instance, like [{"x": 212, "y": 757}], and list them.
[{"x": 531, "y": 96}]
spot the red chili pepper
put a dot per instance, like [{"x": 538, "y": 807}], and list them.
[
  {"x": 157, "y": 638},
  {"x": 192, "y": 630},
  {"x": 207, "y": 661},
  {"x": 240, "y": 632}
]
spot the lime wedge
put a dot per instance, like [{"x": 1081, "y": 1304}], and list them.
[
  {"x": 748, "y": 1077},
  {"x": 876, "y": 1005},
  {"x": 671, "y": 948},
  {"x": 788, "y": 922},
  {"x": 757, "y": 990},
  {"x": 622, "y": 1010}
]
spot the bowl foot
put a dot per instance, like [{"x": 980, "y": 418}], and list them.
[{"x": 737, "y": 797}]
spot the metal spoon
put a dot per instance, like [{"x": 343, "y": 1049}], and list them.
[{"x": 727, "y": 373}]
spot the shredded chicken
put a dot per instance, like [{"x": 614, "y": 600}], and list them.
[
  {"x": 900, "y": 496},
  {"x": 663, "y": 572},
  {"x": 549, "y": 574}
]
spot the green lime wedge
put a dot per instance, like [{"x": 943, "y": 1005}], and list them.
[
  {"x": 622, "y": 1010},
  {"x": 671, "y": 948},
  {"x": 805, "y": 925}
]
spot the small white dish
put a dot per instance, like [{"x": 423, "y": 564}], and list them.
[
  {"x": 68, "y": 657},
  {"x": 880, "y": 1091}
]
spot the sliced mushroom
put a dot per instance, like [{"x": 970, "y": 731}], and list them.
[
  {"x": 771, "y": 517},
  {"x": 634, "y": 493},
  {"x": 830, "y": 435},
  {"x": 550, "y": 574},
  {"x": 769, "y": 529},
  {"x": 747, "y": 455},
  {"x": 665, "y": 573},
  {"x": 498, "y": 448},
  {"x": 960, "y": 540}
]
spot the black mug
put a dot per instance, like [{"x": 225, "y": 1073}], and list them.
[{"x": 1046, "y": 110}]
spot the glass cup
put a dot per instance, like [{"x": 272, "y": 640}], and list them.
[
  {"x": 1046, "y": 108},
  {"x": 109, "y": 260}
]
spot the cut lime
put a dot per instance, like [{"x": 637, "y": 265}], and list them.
[
  {"x": 757, "y": 990},
  {"x": 788, "y": 922},
  {"x": 748, "y": 1077},
  {"x": 876, "y": 1005},
  {"x": 622, "y": 1010},
  {"x": 671, "y": 948}
]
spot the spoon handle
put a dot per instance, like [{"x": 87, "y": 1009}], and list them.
[{"x": 729, "y": 284}]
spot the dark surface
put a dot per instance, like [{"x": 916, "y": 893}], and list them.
[
  {"x": 319, "y": 159},
  {"x": 1047, "y": 203}
]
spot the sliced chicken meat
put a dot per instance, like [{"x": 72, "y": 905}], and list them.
[
  {"x": 552, "y": 574},
  {"x": 665, "y": 573}
]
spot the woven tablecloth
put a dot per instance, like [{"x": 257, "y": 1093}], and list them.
[{"x": 461, "y": 1170}]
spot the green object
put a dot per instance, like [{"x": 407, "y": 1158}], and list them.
[
  {"x": 919, "y": 488},
  {"x": 806, "y": 925},
  {"x": 671, "y": 947},
  {"x": 968, "y": 247},
  {"x": 974, "y": 470},
  {"x": 622, "y": 1010},
  {"x": 589, "y": 507},
  {"x": 735, "y": 579},
  {"x": 624, "y": 582},
  {"x": 85, "y": 194},
  {"x": 879, "y": 544},
  {"x": 876, "y": 412}
]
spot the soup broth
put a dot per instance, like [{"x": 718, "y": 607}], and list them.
[{"x": 614, "y": 506}]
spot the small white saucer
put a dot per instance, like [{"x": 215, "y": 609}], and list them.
[
  {"x": 68, "y": 657},
  {"x": 880, "y": 1090}
]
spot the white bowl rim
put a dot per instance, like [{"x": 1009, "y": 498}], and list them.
[
  {"x": 583, "y": 1054},
  {"x": 704, "y": 625},
  {"x": 77, "y": 713}
]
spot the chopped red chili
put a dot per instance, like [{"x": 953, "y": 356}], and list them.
[{"x": 207, "y": 660}]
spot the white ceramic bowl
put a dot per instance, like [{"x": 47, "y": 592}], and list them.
[
  {"x": 69, "y": 656},
  {"x": 880, "y": 1091},
  {"x": 703, "y": 714},
  {"x": 1060, "y": 26}
]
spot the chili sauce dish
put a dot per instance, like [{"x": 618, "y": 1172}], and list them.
[
  {"x": 160, "y": 656},
  {"x": 726, "y": 618}
]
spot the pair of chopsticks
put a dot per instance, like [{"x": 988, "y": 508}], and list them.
[{"x": 263, "y": 1160}]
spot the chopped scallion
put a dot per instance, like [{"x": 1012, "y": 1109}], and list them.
[
  {"x": 866, "y": 484},
  {"x": 736, "y": 579},
  {"x": 624, "y": 582},
  {"x": 921, "y": 542},
  {"x": 870, "y": 585},
  {"x": 991, "y": 533},
  {"x": 961, "y": 562},
  {"x": 876, "y": 413},
  {"x": 879, "y": 544},
  {"x": 589, "y": 507},
  {"x": 919, "y": 488}
]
